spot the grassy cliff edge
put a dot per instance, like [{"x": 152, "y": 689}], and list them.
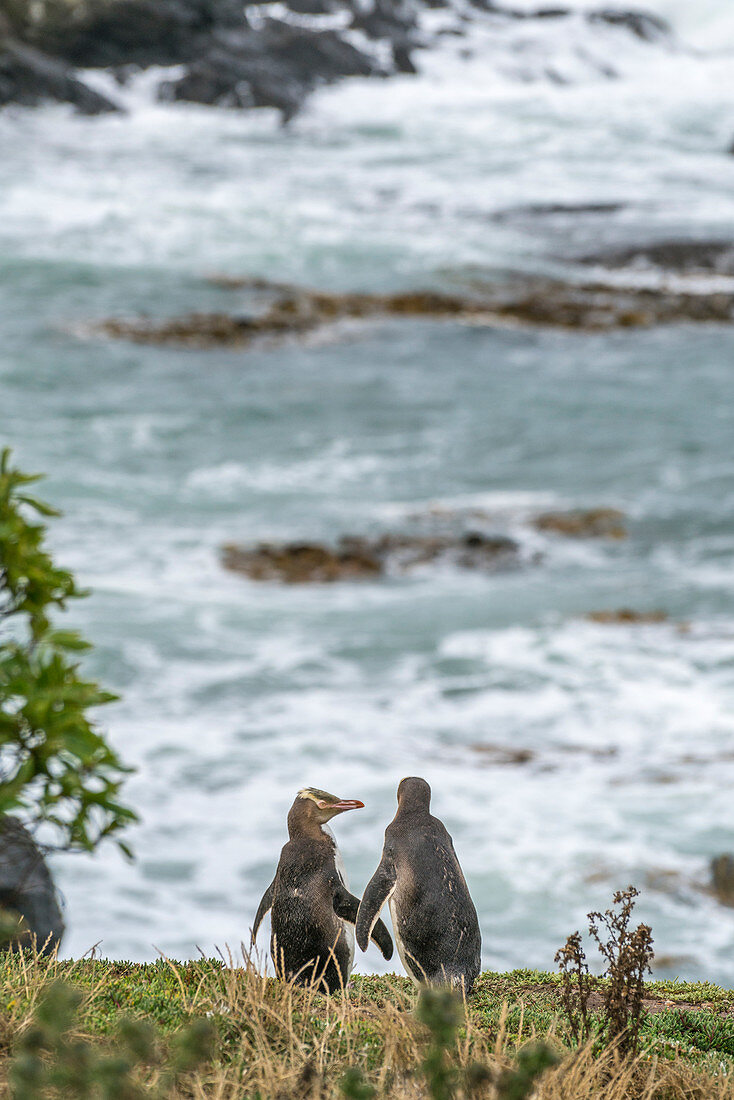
[{"x": 272, "y": 1039}]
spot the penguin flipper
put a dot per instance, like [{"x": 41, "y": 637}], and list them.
[
  {"x": 378, "y": 890},
  {"x": 266, "y": 903},
  {"x": 346, "y": 906}
]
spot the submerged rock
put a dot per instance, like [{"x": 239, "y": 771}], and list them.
[
  {"x": 195, "y": 330},
  {"x": 293, "y": 312},
  {"x": 556, "y": 209},
  {"x": 687, "y": 257},
  {"x": 503, "y": 755},
  {"x": 299, "y": 563},
  {"x": 607, "y": 523},
  {"x": 625, "y": 615},
  {"x": 596, "y": 307},
  {"x": 643, "y": 24},
  {"x": 360, "y": 558},
  {"x": 671, "y": 964},
  {"x": 536, "y": 302},
  {"x": 27, "y": 894}
]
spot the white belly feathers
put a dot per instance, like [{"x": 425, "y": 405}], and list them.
[
  {"x": 398, "y": 939},
  {"x": 342, "y": 873}
]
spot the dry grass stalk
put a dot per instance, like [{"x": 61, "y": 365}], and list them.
[{"x": 280, "y": 1041}]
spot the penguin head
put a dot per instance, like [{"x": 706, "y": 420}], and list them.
[
  {"x": 322, "y": 806},
  {"x": 414, "y": 793}
]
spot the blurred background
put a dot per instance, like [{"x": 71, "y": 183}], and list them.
[{"x": 571, "y": 702}]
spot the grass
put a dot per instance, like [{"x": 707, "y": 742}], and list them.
[{"x": 274, "y": 1040}]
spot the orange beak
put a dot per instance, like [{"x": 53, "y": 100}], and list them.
[{"x": 343, "y": 804}]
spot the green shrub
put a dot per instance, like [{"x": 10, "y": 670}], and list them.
[
  {"x": 50, "y": 1061},
  {"x": 55, "y": 767}
]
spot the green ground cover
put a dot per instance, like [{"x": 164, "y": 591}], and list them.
[{"x": 370, "y": 1026}]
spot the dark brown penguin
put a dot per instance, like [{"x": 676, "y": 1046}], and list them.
[
  {"x": 434, "y": 919},
  {"x": 312, "y": 909}
]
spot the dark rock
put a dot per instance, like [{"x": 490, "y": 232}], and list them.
[
  {"x": 470, "y": 550},
  {"x": 312, "y": 7},
  {"x": 273, "y": 66},
  {"x": 642, "y": 24},
  {"x": 311, "y": 55},
  {"x": 605, "y": 523},
  {"x": 28, "y": 77},
  {"x": 27, "y": 890},
  {"x": 360, "y": 558},
  {"x": 557, "y": 209},
  {"x": 299, "y": 563},
  {"x": 520, "y": 13},
  {"x": 228, "y": 81},
  {"x": 722, "y": 878},
  {"x": 386, "y": 19},
  {"x": 645, "y": 25},
  {"x": 402, "y": 60},
  {"x": 684, "y": 257},
  {"x": 139, "y": 32},
  {"x": 232, "y": 62}
]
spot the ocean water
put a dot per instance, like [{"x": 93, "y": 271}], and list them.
[{"x": 234, "y": 694}]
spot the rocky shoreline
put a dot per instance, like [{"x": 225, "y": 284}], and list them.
[{"x": 271, "y": 54}]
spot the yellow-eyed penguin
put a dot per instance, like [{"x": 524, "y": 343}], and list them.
[
  {"x": 434, "y": 919},
  {"x": 312, "y": 939}
]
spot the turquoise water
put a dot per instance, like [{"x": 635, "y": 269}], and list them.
[{"x": 235, "y": 694}]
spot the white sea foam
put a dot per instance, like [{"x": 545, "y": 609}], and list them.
[{"x": 202, "y": 190}]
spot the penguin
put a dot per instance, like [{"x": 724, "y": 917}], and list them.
[
  {"x": 434, "y": 920},
  {"x": 312, "y": 938}
]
